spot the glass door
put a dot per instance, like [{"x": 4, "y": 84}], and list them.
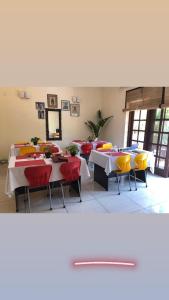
[
  {"x": 160, "y": 140},
  {"x": 138, "y": 128},
  {"x": 150, "y": 129}
]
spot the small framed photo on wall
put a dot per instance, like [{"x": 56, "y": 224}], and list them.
[
  {"x": 75, "y": 110},
  {"x": 74, "y": 99},
  {"x": 40, "y": 105},
  {"x": 65, "y": 104},
  {"x": 41, "y": 114},
  {"x": 52, "y": 101}
]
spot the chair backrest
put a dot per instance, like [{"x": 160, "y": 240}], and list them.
[
  {"x": 26, "y": 150},
  {"x": 141, "y": 161},
  {"x": 43, "y": 148},
  {"x": 123, "y": 163},
  {"x": 38, "y": 176},
  {"x": 107, "y": 146},
  {"x": 71, "y": 169},
  {"x": 86, "y": 148}
]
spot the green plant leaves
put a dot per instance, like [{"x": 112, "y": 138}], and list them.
[{"x": 96, "y": 127}]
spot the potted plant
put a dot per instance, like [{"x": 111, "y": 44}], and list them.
[
  {"x": 100, "y": 123},
  {"x": 90, "y": 139},
  {"x": 73, "y": 149},
  {"x": 35, "y": 140}
]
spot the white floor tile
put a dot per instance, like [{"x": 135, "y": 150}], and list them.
[
  {"x": 85, "y": 207},
  {"x": 95, "y": 199},
  {"x": 118, "y": 203}
]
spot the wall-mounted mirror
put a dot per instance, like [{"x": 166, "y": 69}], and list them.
[{"x": 53, "y": 124}]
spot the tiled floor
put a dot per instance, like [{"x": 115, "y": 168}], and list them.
[{"x": 95, "y": 199}]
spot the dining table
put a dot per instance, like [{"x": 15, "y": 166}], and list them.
[
  {"x": 105, "y": 164},
  {"x": 79, "y": 143},
  {"x": 16, "y": 180},
  {"x": 15, "y": 148}
]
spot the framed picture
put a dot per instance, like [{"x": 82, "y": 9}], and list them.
[
  {"x": 75, "y": 99},
  {"x": 41, "y": 114},
  {"x": 52, "y": 101},
  {"x": 40, "y": 105},
  {"x": 65, "y": 104},
  {"x": 75, "y": 110}
]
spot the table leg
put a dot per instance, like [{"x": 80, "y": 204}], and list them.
[{"x": 16, "y": 202}]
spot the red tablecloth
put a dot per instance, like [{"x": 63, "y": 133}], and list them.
[{"x": 26, "y": 163}]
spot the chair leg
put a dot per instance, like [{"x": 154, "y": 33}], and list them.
[
  {"x": 135, "y": 180},
  {"x": 25, "y": 198},
  {"x": 129, "y": 182},
  {"x": 63, "y": 196},
  {"x": 50, "y": 196},
  {"x": 118, "y": 182},
  {"x": 146, "y": 177},
  {"x": 79, "y": 190},
  {"x": 29, "y": 200}
]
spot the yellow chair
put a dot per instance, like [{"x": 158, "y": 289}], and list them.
[
  {"x": 140, "y": 165},
  {"x": 124, "y": 167},
  {"x": 107, "y": 146},
  {"x": 43, "y": 148},
  {"x": 26, "y": 150}
]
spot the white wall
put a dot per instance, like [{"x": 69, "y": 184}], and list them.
[
  {"x": 112, "y": 104},
  {"x": 19, "y": 120}
]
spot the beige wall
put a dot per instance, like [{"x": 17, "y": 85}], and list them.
[
  {"x": 19, "y": 121},
  {"x": 113, "y": 104}
]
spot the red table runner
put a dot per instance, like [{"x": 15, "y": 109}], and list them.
[
  {"x": 116, "y": 153},
  {"x": 39, "y": 162},
  {"x": 28, "y": 155},
  {"x": 105, "y": 150},
  {"x": 21, "y": 145}
]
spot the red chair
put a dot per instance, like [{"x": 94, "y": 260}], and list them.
[
  {"x": 86, "y": 148},
  {"x": 71, "y": 173},
  {"x": 38, "y": 177}
]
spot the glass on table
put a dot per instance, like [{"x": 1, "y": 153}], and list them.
[{"x": 115, "y": 148}]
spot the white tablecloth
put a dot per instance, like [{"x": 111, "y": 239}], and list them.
[
  {"x": 16, "y": 178},
  {"x": 14, "y": 151},
  {"x": 109, "y": 162}
]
